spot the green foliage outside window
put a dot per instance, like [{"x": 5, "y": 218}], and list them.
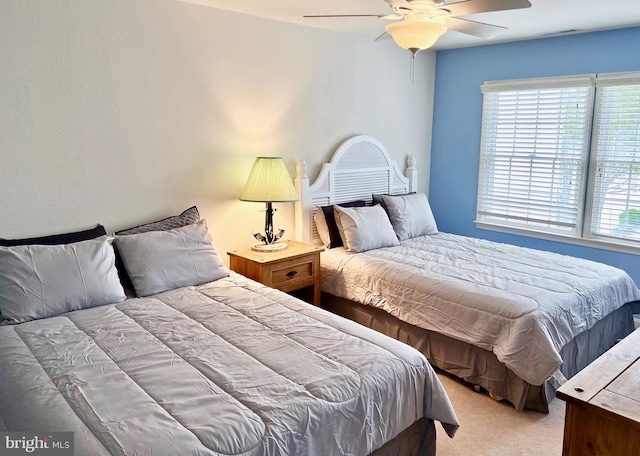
[{"x": 630, "y": 217}]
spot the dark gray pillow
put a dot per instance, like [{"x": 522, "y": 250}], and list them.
[
  {"x": 39, "y": 281},
  {"x": 55, "y": 239},
  {"x": 187, "y": 217},
  {"x": 158, "y": 261}
]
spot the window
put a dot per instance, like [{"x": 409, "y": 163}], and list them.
[
  {"x": 615, "y": 175},
  {"x": 561, "y": 156}
]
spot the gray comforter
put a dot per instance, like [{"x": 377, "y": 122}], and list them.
[
  {"x": 230, "y": 367},
  {"x": 522, "y": 304}
]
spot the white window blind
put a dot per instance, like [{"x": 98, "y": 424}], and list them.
[
  {"x": 615, "y": 168},
  {"x": 535, "y": 139}
]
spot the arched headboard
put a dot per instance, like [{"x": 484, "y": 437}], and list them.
[{"x": 360, "y": 167}]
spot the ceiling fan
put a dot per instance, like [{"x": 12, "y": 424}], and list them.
[{"x": 421, "y": 22}]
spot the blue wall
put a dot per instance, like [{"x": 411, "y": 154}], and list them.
[{"x": 457, "y": 121}]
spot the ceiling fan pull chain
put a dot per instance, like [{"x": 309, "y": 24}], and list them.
[{"x": 412, "y": 68}]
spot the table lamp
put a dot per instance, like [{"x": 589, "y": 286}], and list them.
[{"x": 269, "y": 182}]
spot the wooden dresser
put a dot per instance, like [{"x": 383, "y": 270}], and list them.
[{"x": 603, "y": 404}]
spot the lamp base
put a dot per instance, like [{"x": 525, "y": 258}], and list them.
[{"x": 275, "y": 247}]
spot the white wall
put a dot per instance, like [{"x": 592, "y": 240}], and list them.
[{"x": 122, "y": 112}]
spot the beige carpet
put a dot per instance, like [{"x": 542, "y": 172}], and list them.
[{"x": 494, "y": 428}]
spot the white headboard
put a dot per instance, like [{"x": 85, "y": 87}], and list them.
[{"x": 360, "y": 167}]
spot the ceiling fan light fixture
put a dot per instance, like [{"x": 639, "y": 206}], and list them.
[{"x": 415, "y": 35}]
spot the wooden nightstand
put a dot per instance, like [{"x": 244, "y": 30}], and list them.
[{"x": 292, "y": 269}]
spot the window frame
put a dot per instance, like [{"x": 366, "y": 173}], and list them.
[{"x": 583, "y": 234}]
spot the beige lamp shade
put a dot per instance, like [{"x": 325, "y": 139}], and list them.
[
  {"x": 269, "y": 181},
  {"x": 415, "y": 35}
]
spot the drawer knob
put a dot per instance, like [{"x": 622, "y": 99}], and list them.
[{"x": 291, "y": 274}]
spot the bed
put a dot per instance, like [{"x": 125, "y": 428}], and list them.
[
  {"x": 202, "y": 362},
  {"x": 513, "y": 321}
]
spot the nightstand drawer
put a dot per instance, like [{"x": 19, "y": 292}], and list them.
[{"x": 291, "y": 272}]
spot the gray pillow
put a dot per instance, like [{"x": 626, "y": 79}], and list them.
[
  {"x": 187, "y": 217},
  {"x": 158, "y": 261},
  {"x": 377, "y": 198},
  {"x": 39, "y": 281},
  {"x": 327, "y": 226},
  {"x": 410, "y": 215},
  {"x": 365, "y": 228}
]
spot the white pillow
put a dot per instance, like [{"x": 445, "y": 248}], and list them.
[
  {"x": 39, "y": 281},
  {"x": 365, "y": 228},
  {"x": 322, "y": 227},
  {"x": 158, "y": 261},
  {"x": 410, "y": 215}
]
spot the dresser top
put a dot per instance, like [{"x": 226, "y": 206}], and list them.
[{"x": 611, "y": 383}]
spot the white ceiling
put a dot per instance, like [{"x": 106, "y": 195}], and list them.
[{"x": 544, "y": 18}]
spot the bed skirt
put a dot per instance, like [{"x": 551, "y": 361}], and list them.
[
  {"x": 419, "y": 439},
  {"x": 481, "y": 367}
]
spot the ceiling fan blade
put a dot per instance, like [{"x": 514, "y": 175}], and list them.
[
  {"x": 345, "y": 15},
  {"x": 474, "y": 28},
  {"x": 464, "y": 8},
  {"x": 383, "y": 36},
  {"x": 400, "y": 3}
]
